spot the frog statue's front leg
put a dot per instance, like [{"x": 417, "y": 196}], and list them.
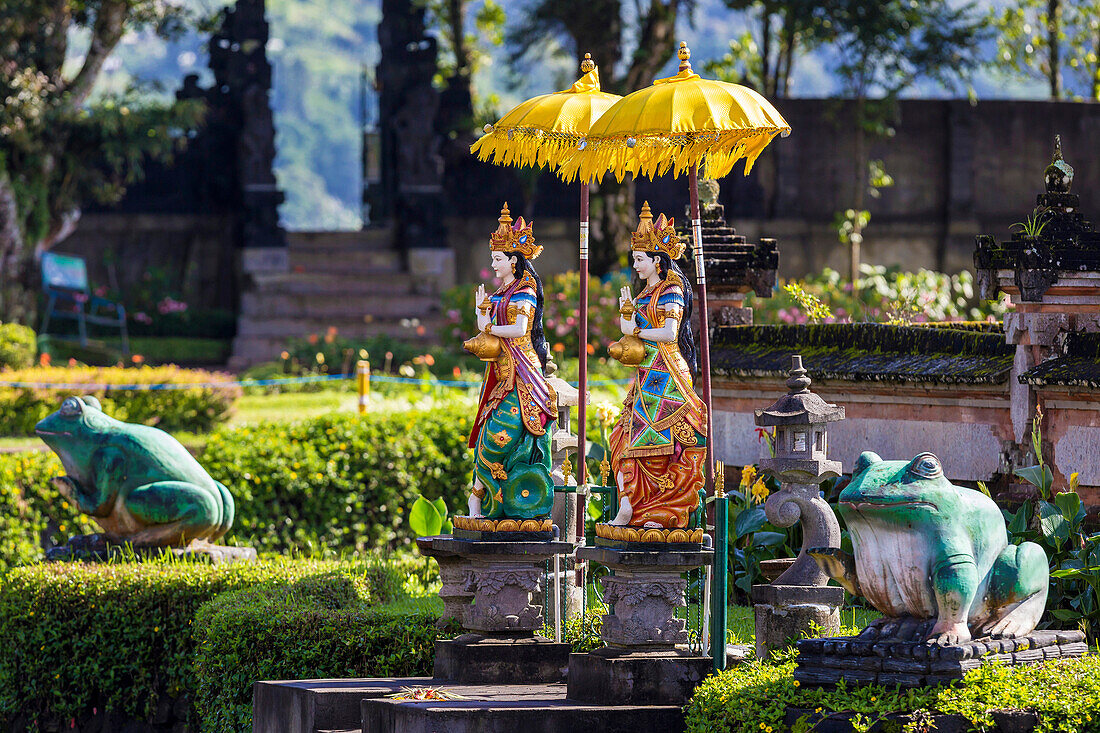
[{"x": 955, "y": 583}]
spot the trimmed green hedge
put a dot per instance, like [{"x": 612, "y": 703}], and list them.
[
  {"x": 320, "y": 627},
  {"x": 753, "y": 697},
  {"x": 196, "y": 409},
  {"x": 331, "y": 484},
  {"x": 340, "y": 482},
  {"x": 121, "y": 637}
]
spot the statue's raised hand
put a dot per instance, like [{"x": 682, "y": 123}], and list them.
[{"x": 480, "y": 300}]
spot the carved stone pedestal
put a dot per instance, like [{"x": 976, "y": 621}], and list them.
[
  {"x": 505, "y": 581},
  {"x": 452, "y": 573},
  {"x": 784, "y": 612},
  {"x": 642, "y": 664}
]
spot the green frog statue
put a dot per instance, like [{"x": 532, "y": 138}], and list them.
[
  {"x": 137, "y": 482},
  {"x": 933, "y": 557}
]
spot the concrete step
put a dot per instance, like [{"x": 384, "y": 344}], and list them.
[
  {"x": 286, "y": 328},
  {"x": 337, "y": 306},
  {"x": 310, "y": 706},
  {"x": 343, "y": 284},
  {"x": 362, "y": 239},
  {"x": 336, "y": 261},
  {"x": 248, "y": 350}
]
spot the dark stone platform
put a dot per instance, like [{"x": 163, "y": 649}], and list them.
[
  {"x": 824, "y": 662},
  {"x": 485, "y": 659},
  {"x": 635, "y": 557},
  {"x": 611, "y": 676},
  {"x": 514, "y": 709},
  {"x": 97, "y": 548},
  {"x": 310, "y": 706}
]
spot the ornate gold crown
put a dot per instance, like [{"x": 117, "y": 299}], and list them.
[
  {"x": 659, "y": 236},
  {"x": 516, "y": 237}
]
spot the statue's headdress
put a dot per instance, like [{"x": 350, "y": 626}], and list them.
[
  {"x": 510, "y": 238},
  {"x": 654, "y": 237}
]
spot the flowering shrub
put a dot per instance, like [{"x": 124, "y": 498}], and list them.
[
  {"x": 881, "y": 295},
  {"x": 192, "y": 409},
  {"x": 560, "y": 310},
  {"x": 17, "y": 346}
]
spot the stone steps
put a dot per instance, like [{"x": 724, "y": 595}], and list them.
[
  {"x": 339, "y": 306},
  {"x": 354, "y": 282}
]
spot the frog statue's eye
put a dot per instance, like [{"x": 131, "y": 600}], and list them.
[
  {"x": 927, "y": 465},
  {"x": 71, "y": 407}
]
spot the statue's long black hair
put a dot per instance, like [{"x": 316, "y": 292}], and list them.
[
  {"x": 538, "y": 339},
  {"x": 684, "y": 338}
]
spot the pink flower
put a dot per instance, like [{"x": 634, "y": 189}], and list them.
[
  {"x": 485, "y": 273},
  {"x": 570, "y": 321},
  {"x": 142, "y": 317},
  {"x": 100, "y": 291}
]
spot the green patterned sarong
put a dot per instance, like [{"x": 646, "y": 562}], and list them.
[{"x": 513, "y": 465}]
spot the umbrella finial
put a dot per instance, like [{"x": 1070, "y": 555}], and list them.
[
  {"x": 684, "y": 55},
  {"x": 588, "y": 64}
]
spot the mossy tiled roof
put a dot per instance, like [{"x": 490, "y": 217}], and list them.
[
  {"x": 865, "y": 352},
  {"x": 1078, "y": 367}
]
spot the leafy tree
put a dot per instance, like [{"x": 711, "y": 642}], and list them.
[
  {"x": 883, "y": 47},
  {"x": 59, "y": 145},
  {"x": 1045, "y": 39},
  {"x": 601, "y": 27},
  {"x": 764, "y": 58}
]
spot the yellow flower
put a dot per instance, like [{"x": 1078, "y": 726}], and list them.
[
  {"x": 606, "y": 413},
  {"x": 768, "y": 729},
  {"x": 797, "y": 683},
  {"x": 762, "y": 726},
  {"x": 748, "y": 473},
  {"x": 759, "y": 491}
]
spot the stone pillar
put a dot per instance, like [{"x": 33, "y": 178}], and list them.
[
  {"x": 784, "y": 613},
  {"x": 644, "y": 662},
  {"x": 505, "y": 580}
]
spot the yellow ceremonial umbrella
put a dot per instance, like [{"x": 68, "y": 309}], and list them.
[
  {"x": 542, "y": 132},
  {"x": 673, "y": 126}
]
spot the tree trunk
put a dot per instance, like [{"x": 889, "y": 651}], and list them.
[
  {"x": 612, "y": 214},
  {"x": 18, "y": 290},
  {"x": 1054, "y": 28}
]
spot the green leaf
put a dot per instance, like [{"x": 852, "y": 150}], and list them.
[
  {"x": 1066, "y": 573},
  {"x": 769, "y": 539},
  {"x": 441, "y": 507},
  {"x": 1063, "y": 614},
  {"x": 1019, "y": 519},
  {"x": 1070, "y": 505},
  {"x": 424, "y": 518},
  {"x": 1052, "y": 524},
  {"x": 596, "y": 451},
  {"x": 1038, "y": 476},
  {"x": 447, "y": 527},
  {"x": 748, "y": 521}
]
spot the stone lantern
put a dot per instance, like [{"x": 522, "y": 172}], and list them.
[
  {"x": 786, "y": 608},
  {"x": 801, "y": 420}
]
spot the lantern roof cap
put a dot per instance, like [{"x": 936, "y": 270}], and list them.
[{"x": 799, "y": 406}]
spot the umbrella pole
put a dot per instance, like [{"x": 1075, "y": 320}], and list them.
[
  {"x": 582, "y": 381},
  {"x": 704, "y": 321}
]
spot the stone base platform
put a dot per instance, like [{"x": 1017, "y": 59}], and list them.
[
  {"x": 512, "y": 708},
  {"x": 485, "y": 659},
  {"x": 824, "y": 662},
  {"x": 310, "y": 706},
  {"x": 97, "y": 548},
  {"x": 611, "y": 676}
]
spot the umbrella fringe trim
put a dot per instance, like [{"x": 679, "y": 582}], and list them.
[
  {"x": 657, "y": 154},
  {"x": 528, "y": 147}
]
